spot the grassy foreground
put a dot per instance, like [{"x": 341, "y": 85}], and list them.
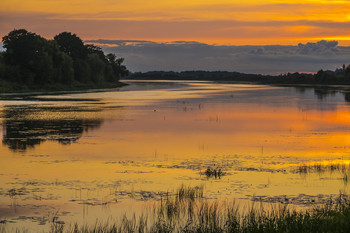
[{"x": 188, "y": 211}]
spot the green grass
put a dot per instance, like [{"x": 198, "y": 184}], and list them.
[{"x": 189, "y": 212}]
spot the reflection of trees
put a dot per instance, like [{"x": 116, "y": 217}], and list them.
[
  {"x": 20, "y": 133},
  {"x": 300, "y": 90},
  {"x": 322, "y": 93},
  {"x": 347, "y": 96}
]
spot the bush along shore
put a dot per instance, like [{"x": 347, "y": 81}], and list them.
[
  {"x": 188, "y": 211},
  {"x": 33, "y": 63}
]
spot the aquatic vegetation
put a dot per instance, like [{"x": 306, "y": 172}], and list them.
[
  {"x": 322, "y": 167},
  {"x": 17, "y": 192},
  {"x": 206, "y": 216},
  {"x": 2, "y": 226},
  {"x": 187, "y": 214},
  {"x": 188, "y": 192},
  {"x": 341, "y": 167},
  {"x": 213, "y": 172}
]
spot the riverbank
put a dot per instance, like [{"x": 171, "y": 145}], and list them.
[{"x": 11, "y": 91}]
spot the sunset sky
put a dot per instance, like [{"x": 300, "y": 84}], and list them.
[
  {"x": 233, "y": 22},
  {"x": 197, "y": 34}
]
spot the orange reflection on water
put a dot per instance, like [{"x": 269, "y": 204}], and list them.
[
  {"x": 196, "y": 119},
  {"x": 93, "y": 150}
]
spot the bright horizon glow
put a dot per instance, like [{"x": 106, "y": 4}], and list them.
[
  {"x": 343, "y": 41},
  {"x": 228, "y": 22}
]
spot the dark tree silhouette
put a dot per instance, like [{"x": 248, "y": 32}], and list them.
[
  {"x": 33, "y": 55},
  {"x": 72, "y": 45},
  {"x": 32, "y": 62},
  {"x": 22, "y": 47},
  {"x": 117, "y": 65}
]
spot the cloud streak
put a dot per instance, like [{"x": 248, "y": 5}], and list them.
[
  {"x": 211, "y": 21},
  {"x": 217, "y": 31},
  {"x": 190, "y": 10}
]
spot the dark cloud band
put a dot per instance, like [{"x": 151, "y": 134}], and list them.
[{"x": 270, "y": 59}]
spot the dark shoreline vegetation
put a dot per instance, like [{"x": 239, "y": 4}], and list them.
[
  {"x": 33, "y": 63},
  {"x": 187, "y": 210},
  {"x": 340, "y": 76}
]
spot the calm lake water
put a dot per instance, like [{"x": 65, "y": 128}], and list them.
[{"x": 89, "y": 156}]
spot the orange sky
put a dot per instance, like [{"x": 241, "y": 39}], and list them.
[{"x": 211, "y": 21}]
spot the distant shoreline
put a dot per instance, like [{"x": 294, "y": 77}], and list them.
[
  {"x": 344, "y": 87},
  {"x": 339, "y": 79}
]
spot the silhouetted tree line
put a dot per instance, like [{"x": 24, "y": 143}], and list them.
[
  {"x": 224, "y": 76},
  {"x": 31, "y": 61},
  {"x": 339, "y": 76}
]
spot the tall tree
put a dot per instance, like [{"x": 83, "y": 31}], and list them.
[
  {"x": 72, "y": 45},
  {"x": 22, "y": 47},
  {"x": 119, "y": 69},
  {"x": 30, "y": 52}
]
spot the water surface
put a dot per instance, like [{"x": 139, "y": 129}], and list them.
[{"x": 97, "y": 155}]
